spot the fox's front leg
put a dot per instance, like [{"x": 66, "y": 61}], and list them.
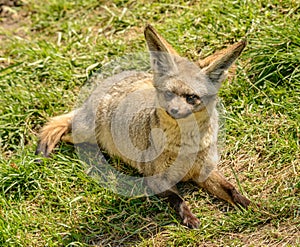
[
  {"x": 174, "y": 199},
  {"x": 217, "y": 184},
  {"x": 180, "y": 206}
]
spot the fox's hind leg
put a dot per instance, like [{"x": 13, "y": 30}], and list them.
[
  {"x": 58, "y": 128},
  {"x": 217, "y": 184}
]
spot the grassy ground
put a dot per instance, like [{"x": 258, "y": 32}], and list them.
[{"x": 50, "y": 48}]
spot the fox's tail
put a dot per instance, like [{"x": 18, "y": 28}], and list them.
[{"x": 54, "y": 131}]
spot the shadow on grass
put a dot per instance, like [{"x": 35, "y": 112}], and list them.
[
  {"x": 112, "y": 219},
  {"x": 122, "y": 222}
]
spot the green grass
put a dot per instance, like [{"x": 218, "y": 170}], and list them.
[{"x": 48, "y": 51}]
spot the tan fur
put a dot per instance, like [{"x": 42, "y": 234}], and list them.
[
  {"x": 130, "y": 116},
  {"x": 54, "y": 130}
]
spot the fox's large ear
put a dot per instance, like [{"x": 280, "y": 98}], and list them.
[
  {"x": 216, "y": 65},
  {"x": 161, "y": 52}
]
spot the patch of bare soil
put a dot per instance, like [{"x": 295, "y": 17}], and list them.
[
  {"x": 7, "y": 11},
  {"x": 12, "y": 19}
]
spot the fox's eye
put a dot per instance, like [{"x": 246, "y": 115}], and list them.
[
  {"x": 192, "y": 99},
  {"x": 168, "y": 95}
]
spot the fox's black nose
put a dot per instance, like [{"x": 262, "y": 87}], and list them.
[{"x": 174, "y": 111}]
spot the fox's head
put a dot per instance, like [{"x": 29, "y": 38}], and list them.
[{"x": 183, "y": 87}]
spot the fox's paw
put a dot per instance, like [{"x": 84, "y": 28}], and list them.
[
  {"x": 239, "y": 199},
  {"x": 189, "y": 219}
]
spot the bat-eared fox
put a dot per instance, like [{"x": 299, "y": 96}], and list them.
[{"x": 164, "y": 123}]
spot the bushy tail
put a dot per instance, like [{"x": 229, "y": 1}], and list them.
[{"x": 54, "y": 131}]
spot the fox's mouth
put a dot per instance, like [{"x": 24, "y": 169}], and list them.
[{"x": 178, "y": 115}]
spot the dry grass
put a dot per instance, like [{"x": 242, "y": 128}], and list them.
[{"x": 48, "y": 51}]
